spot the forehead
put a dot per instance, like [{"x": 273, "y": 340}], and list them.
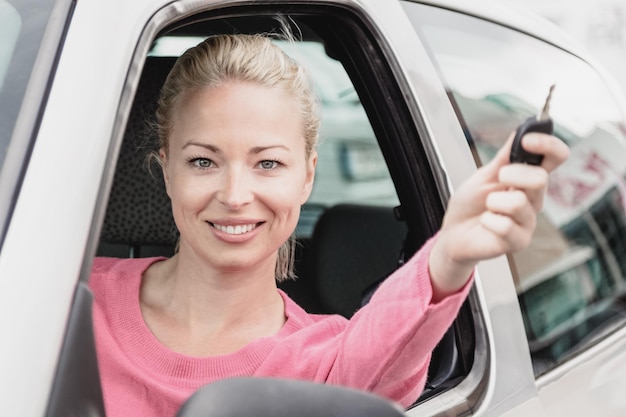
[
  {"x": 236, "y": 111},
  {"x": 241, "y": 92}
]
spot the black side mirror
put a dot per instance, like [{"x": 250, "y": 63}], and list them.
[{"x": 273, "y": 397}]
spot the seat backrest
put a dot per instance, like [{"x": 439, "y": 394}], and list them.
[
  {"x": 352, "y": 248},
  {"x": 139, "y": 220}
]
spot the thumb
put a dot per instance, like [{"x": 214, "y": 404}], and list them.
[
  {"x": 489, "y": 171},
  {"x": 503, "y": 157}
]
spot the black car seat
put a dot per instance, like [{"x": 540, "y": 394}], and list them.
[
  {"x": 353, "y": 249},
  {"x": 138, "y": 221}
]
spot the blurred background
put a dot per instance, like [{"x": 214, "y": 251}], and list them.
[{"x": 599, "y": 24}]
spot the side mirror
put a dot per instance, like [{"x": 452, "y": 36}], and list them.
[{"x": 273, "y": 397}]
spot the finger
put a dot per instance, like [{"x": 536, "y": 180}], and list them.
[
  {"x": 511, "y": 236},
  {"x": 513, "y": 204},
  {"x": 523, "y": 176},
  {"x": 502, "y": 157},
  {"x": 554, "y": 150},
  {"x": 533, "y": 180}
]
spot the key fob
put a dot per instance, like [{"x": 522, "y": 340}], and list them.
[{"x": 532, "y": 124}]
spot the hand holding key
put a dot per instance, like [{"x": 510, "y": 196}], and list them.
[
  {"x": 495, "y": 211},
  {"x": 542, "y": 124}
]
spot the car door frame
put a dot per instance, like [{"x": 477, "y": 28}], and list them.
[{"x": 42, "y": 290}]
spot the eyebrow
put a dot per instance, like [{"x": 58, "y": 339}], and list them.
[
  {"x": 202, "y": 145},
  {"x": 259, "y": 149},
  {"x": 212, "y": 148}
]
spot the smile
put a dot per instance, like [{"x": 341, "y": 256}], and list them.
[{"x": 234, "y": 230}]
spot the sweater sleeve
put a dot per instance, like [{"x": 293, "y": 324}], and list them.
[{"x": 387, "y": 345}]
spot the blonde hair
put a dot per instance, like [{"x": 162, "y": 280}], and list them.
[{"x": 250, "y": 58}]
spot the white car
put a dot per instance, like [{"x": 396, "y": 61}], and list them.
[{"x": 415, "y": 94}]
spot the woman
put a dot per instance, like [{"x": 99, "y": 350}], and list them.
[{"x": 238, "y": 128}]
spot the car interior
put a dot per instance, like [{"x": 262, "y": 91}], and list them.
[{"x": 349, "y": 248}]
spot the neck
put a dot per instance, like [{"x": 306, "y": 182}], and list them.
[{"x": 189, "y": 306}]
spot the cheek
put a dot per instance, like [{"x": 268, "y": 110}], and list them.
[
  {"x": 309, "y": 178},
  {"x": 305, "y": 191},
  {"x": 284, "y": 196},
  {"x": 187, "y": 194}
]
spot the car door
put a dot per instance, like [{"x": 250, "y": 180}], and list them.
[
  {"x": 570, "y": 281},
  {"x": 60, "y": 212},
  {"x": 404, "y": 118},
  {"x": 31, "y": 39}
]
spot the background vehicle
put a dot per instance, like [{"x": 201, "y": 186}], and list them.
[{"x": 440, "y": 84}]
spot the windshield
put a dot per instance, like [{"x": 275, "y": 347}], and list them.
[
  {"x": 22, "y": 27},
  {"x": 10, "y": 25}
]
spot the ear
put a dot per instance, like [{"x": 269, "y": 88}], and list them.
[
  {"x": 164, "y": 166},
  {"x": 310, "y": 177}
]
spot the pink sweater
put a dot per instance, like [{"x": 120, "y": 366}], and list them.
[{"x": 384, "y": 348}]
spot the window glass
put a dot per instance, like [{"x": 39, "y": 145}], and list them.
[
  {"x": 10, "y": 24},
  {"x": 570, "y": 281},
  {"x": 22, "y": 26}
]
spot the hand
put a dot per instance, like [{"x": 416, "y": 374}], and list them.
[{"x": 494, "y": 212}]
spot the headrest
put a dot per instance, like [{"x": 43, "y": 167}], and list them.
[
  {"x": 354, "y": 247},
  {"x": 139, "y": 210}
]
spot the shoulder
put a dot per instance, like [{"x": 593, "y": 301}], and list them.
[
  {"x": 299, "y": 319},
  {"x": 107, "y": 272},
  {"x": 104, "y": 265},
  {"x": 120, "y": 266}
]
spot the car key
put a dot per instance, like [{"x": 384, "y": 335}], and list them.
[{"x": 541, "y": 123}]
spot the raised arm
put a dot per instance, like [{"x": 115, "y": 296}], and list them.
[{"x": 494, "y": 212}]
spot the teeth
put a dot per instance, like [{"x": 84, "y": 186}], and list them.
[{"x": 235, "y": 230}]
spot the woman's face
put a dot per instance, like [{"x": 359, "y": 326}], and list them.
[{"x": 237, "y": 173}]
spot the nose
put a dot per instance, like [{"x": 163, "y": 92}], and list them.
[{"x": 236, "y": 188}]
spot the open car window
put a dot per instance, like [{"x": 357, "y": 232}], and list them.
[
  {"x": 353, "y": 192},
  {"x": 366, "y": 214},
  {"x": 571, "y": 279}
]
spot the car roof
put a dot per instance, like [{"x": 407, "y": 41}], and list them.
[
  {"x": 507, "y": 14},
  {"x": 517, "y": 18}
]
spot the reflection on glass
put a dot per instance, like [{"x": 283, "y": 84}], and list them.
[
  {"x": 22, "y": 26},
  {"x": 10, "y": 24},
  {"x": 571, "y": 278}
]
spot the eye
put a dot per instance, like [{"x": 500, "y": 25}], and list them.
[
  {"x": 268, "y": 164},
  {"x": 203, "y": 163}
]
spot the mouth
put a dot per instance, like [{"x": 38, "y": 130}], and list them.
[{"x": 238, "y": 229}]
